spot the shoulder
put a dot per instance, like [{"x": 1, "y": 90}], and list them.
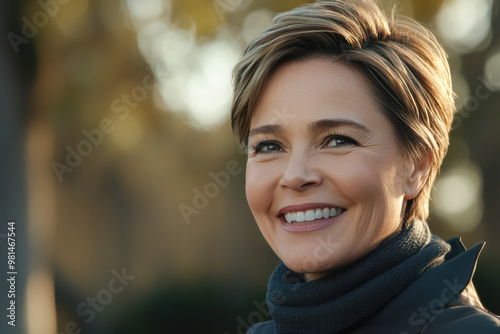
[
  {"x": 266, "y": 327},
  {"x": 442, "y": 300},
  {"x": 463, "y": 319}
]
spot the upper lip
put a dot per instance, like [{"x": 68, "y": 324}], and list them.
[{"x": 305, "y": 207}]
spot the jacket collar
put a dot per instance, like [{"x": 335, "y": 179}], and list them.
[{"x": 429, "y": 293}]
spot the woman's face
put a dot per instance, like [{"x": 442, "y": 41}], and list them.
[{"x": 325, "y": 179}]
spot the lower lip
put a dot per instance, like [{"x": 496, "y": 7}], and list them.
[{"x": 309, "y": 226}]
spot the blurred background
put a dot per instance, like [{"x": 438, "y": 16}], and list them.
[{"x": 127, "y": 185}]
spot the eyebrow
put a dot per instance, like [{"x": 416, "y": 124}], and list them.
[
  {"x": 266, "y": 129},
  {"x": 315, "y": 126},
  {"x": 333, "y": 123}
]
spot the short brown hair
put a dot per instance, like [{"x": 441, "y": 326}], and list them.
[{"x": 403, "y": 60}]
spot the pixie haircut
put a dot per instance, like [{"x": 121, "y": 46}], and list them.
[{"x": 405, "y": 64}]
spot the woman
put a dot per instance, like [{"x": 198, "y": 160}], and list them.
[{"x": 346, "y": 114}]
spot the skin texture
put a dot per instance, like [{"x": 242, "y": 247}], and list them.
[{"x": 356, "y": 168}]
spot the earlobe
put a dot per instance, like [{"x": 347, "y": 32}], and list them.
[{"x": 417, "y": 176}]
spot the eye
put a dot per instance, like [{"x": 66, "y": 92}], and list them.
[
  {"x": 266, "y": 146},
  {"x": 338, "y": 140}
]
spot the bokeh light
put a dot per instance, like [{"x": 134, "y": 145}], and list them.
[
  {"x": 195, "y": 76},
  {"x": 457, "y": 197},
  {"x": 492, "y": 70},
  {"x": 464, "y": 35}
]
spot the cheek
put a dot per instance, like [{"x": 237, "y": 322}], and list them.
[
  {"x": 258, "y": 188},
  {"x": 369, "y": 179},
  {"x": 358, "y": 178},
  {"x": 368, "y": 183}
]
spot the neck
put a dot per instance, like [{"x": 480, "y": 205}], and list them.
[{"x": 314, "y": 276}]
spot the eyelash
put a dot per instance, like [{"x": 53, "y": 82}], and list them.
[
  {"x": 347, "y": 140},
  {"x": 258, "y": 146},
  {"x": 261, "y": 143}
]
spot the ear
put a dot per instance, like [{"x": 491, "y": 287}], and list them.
[{"x": 418, "y": 173}]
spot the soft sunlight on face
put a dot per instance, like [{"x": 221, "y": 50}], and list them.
[{"x": 333, "y": 161}]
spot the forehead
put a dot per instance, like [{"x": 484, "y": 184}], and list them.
[{"x": 315, "y": 88}]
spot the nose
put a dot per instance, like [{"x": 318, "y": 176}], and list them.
[{"x": 300, "y": 174}]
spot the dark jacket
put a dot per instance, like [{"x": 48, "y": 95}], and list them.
[{"x": 442, "y": 300}]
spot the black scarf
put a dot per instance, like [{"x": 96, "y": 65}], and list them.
[{"x": 341, "y": 299}]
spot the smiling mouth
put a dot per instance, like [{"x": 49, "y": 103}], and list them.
[{"x": 312, "y": 215}]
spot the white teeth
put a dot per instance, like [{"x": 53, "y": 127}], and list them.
[
  {"x": 333, "y": 212},
  {"x": 310, "y": 215},
  {"x": 300, "y": 216}
]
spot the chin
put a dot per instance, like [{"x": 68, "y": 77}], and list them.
[
  {"x": 311, "y": 264},
  {"x": 319, "y": 260}
]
